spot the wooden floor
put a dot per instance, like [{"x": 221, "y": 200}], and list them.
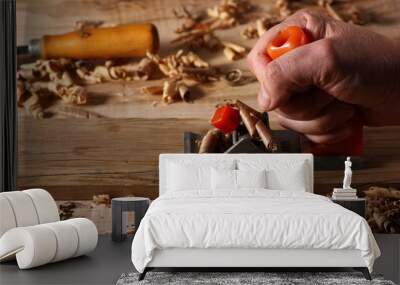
[{"x": 118, "y": 154}]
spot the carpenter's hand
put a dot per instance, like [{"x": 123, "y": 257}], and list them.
[{"x": 317, "y": 88}]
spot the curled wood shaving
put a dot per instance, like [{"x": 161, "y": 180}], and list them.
[
  {"x": 266, "y": 136},
  {"x": 237, "y": 77},
  {"x": 29, "y": 100},
  {"x": 383, "y": 209},
  {"x": 283, "y": 7},
  {"x": 233, "y": 51},
  {"x": 249, "y": 109},
  {"x": 229, "y": 12},
  {"x": 234, "y": 76},
  {"x": 56, "y": 70},
  {"x": 261, "y": 25},
  {"x": 98, "y": 75},
  {"x": 185, "y": 65},
  {"x": 197, "y": 30},
  {"x": 66, "y": 210},
  {"x": 56, "y": 77},
  {"x": 183, "y": 91},
  {"x": 249, "y": 121},
  {"x": 152, "y": 90},
  {"x": 174, "y": 90},
  {"x": 22, "y": 93},
  {"x": 210, "y": 141},
  {"x": 249, "y": 32},
  {"x": 79, "y": 25},
  {"x": 85, "y": 26},
  {"x": 391, "y": 193},
  {"x": 74, "y": 94},
  {"x": 143, "y": 70},
  {"x": 190, "y": 20},
  {"x": 102, "y": 199},
  {"x": 169, "y": 91},
  {"x": 32, "y": 105}
]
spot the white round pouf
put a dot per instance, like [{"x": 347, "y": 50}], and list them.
[
  {"x": 7, "y": 218},
  {"x": 45, "y": 205},
  {"x": 40, "y": 244},
  {"x": 23, "y": 208}
]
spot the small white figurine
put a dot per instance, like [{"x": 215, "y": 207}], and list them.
[{"x": 347, "y": 174}]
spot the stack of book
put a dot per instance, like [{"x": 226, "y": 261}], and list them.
[{"x": 344, "y": 194}]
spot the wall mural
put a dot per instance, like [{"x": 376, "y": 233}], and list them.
[{"x": 146, "y": 72}]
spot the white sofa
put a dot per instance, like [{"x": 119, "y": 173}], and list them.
[{"x": 31, "y": 231}]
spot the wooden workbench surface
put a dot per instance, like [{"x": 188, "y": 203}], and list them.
[{"x": 75, "y": 158}]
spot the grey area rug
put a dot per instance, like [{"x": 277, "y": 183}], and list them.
[{"x": 236, "y": 278}]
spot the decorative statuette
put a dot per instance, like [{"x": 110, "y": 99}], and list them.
[
  {"x": 346, "y": 192},
  {"x": 347, "y": 174}
]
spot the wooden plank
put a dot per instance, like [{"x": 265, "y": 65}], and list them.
[
  {"x": 93, "y": 155},
  {"x": 89, "y": 155}
]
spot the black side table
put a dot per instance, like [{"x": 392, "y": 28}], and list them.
[
  {"x": 356, "y": 205},
  {"x": 127, "y": 213}
]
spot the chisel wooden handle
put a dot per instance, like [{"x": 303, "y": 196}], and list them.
[{"x": 124, "y": 41}]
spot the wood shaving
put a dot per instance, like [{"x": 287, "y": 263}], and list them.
[
  {"x": 170, "y": 93},
  {"x": 174, "y": 91},
  {"x": 85, "y": 26},
  {"x": 66, "y": 79},
  {"x": 284, "y": 8},
  {"x": 143, "y": 70},
  {"x": 183, "y": 91},
  {"x": 32, "y": 105},
  {"x": 22, "y": 93},
  {"x": 233, "y": 51},
  {"x": 210, "y": 141},
  {"x": 260, "y": 26},
  {"x": 66, "y": 210},
  {"x": 152, "y": 90},
  {"x": 184, "y": 65},
  {"x": 383, "y": 209},
  {"x": 237, "y": 77},
  {"x": 249, "y": 121},
  {"x": 266, "y": 136},
  {"x": 180, "y": 68},
  {"x": 79, "y": 25},
  {"x": 229, "y": 12},
  {"x": 74, "y": 94},
  {"x": 197, "y": 30},
  {"x": 249, "y": 32},
  {"x": 102, "y": 199}
]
